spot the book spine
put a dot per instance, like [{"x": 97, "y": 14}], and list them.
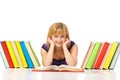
[
  {"x": 31, "y": 54},
  {"x": 38, "y": 63},
  {"x": 3, "y": 56},
  {"x": 93, "y": 55},
  {"x": 101, "y": 56},
  {"x": 17, "y": 54},
  {"x": 26, "y": 54},
  {"x": 24, "y": 62},
  {"x": 110, "y": 55},
  {"x": 7, "y": 54},
  {"x": 91, "y": 46},
  {"x": 115, "y": 57},
  {"x": 12, "y": 54}
]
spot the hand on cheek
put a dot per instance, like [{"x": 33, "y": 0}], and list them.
[
  {"x": 50, "y": 41},
  {"x": 66, "y": 42}
]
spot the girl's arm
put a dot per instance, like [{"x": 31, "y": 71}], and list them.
[
  {"x": 47, "y": 57},
  {"x": 71, "y": 56}
]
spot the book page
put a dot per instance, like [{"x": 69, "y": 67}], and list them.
[
  {"x": 51, "y": 67},
  {"x": 69, "y": 68},
  {"x": 61, "y": 68}
]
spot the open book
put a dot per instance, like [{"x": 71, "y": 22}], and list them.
[{"x": 61, "y": 68}]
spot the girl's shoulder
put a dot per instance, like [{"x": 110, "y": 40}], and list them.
[
  {"x": 71, "y": 45},
  {"x": 45, "y": 47}
]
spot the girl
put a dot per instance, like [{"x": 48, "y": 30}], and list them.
[{"x": 59, "y": 49}]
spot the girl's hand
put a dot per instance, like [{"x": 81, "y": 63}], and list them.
[
  {"x": 50, "y": 41},
  {"x": 66, "y": 43}
]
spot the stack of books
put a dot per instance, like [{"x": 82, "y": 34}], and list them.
[
  {"x": 18, "y": 54},
  {"x": 101, "y": 55}
]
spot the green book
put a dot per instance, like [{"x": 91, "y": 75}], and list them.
[
  {"x": 38, "y": 63},
  {"x": 93, "y": 55}
]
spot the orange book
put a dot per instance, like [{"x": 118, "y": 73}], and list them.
[
  {"x": 101, "y": 55},
  {"x": 7, "y": 54},
  {"x": 105, "y": 56},
  {"x": 97, "y": 55}
]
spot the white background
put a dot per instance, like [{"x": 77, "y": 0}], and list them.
[{"x": 87, "y": 20}]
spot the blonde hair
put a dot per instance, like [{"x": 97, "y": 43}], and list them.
[{"x": 58, "y": 28}]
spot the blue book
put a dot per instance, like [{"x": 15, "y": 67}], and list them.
[{"x": 26, "y": 54}]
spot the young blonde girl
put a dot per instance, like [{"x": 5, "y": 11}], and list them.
[{"x": 59, "y": 49}]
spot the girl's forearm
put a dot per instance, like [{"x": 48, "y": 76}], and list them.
[
  {"x": 69, "y": 59},
  {"x": 49, "y": 57}
]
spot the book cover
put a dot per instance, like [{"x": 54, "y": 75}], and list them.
[
  {"x": 26, "y": 54},
  {"x": 33, "y": 58},
  {"x": 97, "y": 55},
  {"x": 93, "y": 55},
  {"x": 22, "y": 57},
  {"x": 86, "y": 58},
  {"x": 110, "y": 55},
  {"x": 61, "y": 68},
  {"x": 17, "y": 54},
  {"x": 12, "y": 54},
  {"x": 3, "y": 56},
  {"x": 38, "y": 63},
  {"x": 115, "y": 58},
  {"x": 7, "y": 54},
  {"x": 101, "y": 55},
  {"x": 105, "y": 56}
]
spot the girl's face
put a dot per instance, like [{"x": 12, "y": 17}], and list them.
[{"x": 59, "y": 39}]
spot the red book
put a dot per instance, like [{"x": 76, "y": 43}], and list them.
[
  {"x": 7, "y": 54},
  {"x": 101, "y": 55}
]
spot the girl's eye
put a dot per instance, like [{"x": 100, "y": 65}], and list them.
[
  {"x": 63, "y": 36},
  {"x": 55, "y": 36}
]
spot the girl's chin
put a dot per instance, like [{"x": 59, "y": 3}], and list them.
[{"x": 58, "y": 45}]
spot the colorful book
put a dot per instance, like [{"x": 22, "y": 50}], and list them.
[
  {"x": 101, "y": 55},
  {"x": 93, "y": 55},
  {"x": 3, "y": 56},
  {"x": 110, "y": 55},
  {"x": 26, "y": 54},
  {"x": 17, "y": 54},
  {"x": 31, "y": 54},
  {"x": 38, "y": 63},
  {"x": 115, "y": 57},
  {"x": 91, "y": 46},
  {"x": 97, "y": 55},
  {"x": 24, "y": 62},
  {"x": 7, "y": 54},
  {"x": 12, "y": 54},
  {"x": 105, "y": 56}
]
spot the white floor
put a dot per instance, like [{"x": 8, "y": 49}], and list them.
[{"x": 27, "y": 74}]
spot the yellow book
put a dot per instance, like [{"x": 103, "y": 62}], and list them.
[
  {"x": 114, "y": 60},
  {"x": 24, "y": 62},
  {"x": 110, "y": 55},
  {"x": 12, "y": 54},
  {"x": 17, "y": 54}
]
